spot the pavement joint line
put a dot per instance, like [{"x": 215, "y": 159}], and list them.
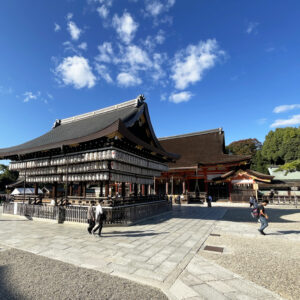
[{"x": 170, "y": 280}]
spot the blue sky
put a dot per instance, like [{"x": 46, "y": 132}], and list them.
[{"x": 200, "y": 64}]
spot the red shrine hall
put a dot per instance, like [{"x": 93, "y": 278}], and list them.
[{"x": 204, "y": 168}]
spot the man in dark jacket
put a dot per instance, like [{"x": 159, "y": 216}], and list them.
[
  {"x": 91, "y": 217},
  {"x": 263, "y": 217}
]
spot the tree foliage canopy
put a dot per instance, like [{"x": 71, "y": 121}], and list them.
[
  {"x": 6, "y": 176},
  {"x": 244, "y": 147},
  {"x": 282, "y": 145},
  {"x": 290, "y": 167}
]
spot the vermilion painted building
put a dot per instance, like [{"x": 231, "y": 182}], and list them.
[{"x": 204, "y": 168}]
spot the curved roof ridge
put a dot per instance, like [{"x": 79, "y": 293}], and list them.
[
  {"x": 133, "y": 102},
  {"x": 220, "y": 129}
]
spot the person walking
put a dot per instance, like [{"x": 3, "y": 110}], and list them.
[
  {"x": 252, "y": 201},
  {"x": 99, "y": 218},
  {"x": 263, "y": 217},
  {"x": 208, "y": 200},
  {"x": 91, "y": 217}
]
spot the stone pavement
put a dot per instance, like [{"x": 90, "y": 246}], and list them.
[{"x": 161, "y": 252}]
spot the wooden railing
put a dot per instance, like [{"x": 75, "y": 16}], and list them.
[
  {"x": 125, "y": 214},
  {"x": 281, "y": 200}
]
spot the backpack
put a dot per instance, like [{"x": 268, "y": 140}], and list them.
[{"x": 255, "y": 212}]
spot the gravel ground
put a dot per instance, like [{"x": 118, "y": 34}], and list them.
[
  {"x": 27, "y": 276},
  {"x": 271, "y": 262}
]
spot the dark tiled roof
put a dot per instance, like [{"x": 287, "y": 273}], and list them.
[
  {"x": 88, "y": 127},
  {"x": 204, "y": 148}
]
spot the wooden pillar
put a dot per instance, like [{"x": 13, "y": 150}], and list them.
[
  {"x": 54, "y": 190},
  {"x": 135, "y": 189},
  {"x": 183, "y": 187},
  {"x": 230, "y": 190},
  {"x": 130, "y": 188},
  {"x": 36, "y": 189},
  {"x": 106, "y": 188},
  {"x": 70, "y": 189},
  {"x": 101, "y": 189},
  {"x": 79, "y": 192},
  {"x": 123, "y": 190},
  {"x": 188, "y": 186},
  {"x": 167, "y": 188},
  {"x": 84, "y": 189},
  {"x": 143, "y": 190}
]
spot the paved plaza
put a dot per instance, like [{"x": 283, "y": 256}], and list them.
[{"x": 164, "y": 252}]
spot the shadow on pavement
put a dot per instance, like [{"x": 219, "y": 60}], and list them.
[
  {"x": 186, "y": 212},
  {"x": 131, "y": 233},
  {"x": 5, "y": 291},
  {"x": 242, "y": 214}
]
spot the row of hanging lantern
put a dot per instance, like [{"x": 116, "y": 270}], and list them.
[
  {"x": 91, "y": 156},
  {"x": 71, "y": 177},
  {"x": 115, "y": 165},
  {"x": 132, "y": 179}
]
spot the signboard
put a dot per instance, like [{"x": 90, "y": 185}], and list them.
[{"x": 294, "y": 188}]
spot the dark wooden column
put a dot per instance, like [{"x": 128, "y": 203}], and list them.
[
  {"x": 135, "y": 189},
  {"x": 54, "y": 190},
  {"x": 70, "y": 189},
  {"x": 79, "y": 193},
  {"x": 36, "y": 189},
  {"x": 84, "y": 189},
  {"x": 123, "y": 190},
  {"x": 101, "y": 189},
  {"x": 106, "y": 188}
]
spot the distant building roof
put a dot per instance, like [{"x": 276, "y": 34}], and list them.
[
  {"x": 282, "y": 175},
  {"x": 200, "y": 148}
]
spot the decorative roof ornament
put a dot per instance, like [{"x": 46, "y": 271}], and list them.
[
  {"x": 140, "y": 99},
  {"x": 56, "y": 123}
]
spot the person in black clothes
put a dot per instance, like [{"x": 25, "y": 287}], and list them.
[{"x": 263, "y": 217}]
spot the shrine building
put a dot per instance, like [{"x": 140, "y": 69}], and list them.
[
  {"x": 113, "y": 149},
  {"x": 204, "y": 168}
]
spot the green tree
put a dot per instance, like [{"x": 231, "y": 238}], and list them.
[
  {"x": 290, "y": 166},
  {"x": 259, "y": 163},
  {"x": 244, "y": 147},
  {"x": 6, "y": 177},
  {"x": 282, "y": 145}
]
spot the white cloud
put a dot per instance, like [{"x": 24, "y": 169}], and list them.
[
  {"x": 127, "y": 79},
  {"x": 160, "y": 37},
  {"x": 103, "y": 11},
  {"x": 158, "y": 60},
  {"x": 31, "y": 96},
  {"x": 189, "y": 64},
  {"x": 103, "y": 72},
  {"x": 56, "y": 27},
  {"x": 83, "y": 46},
  {"x": 74, "y": 30},
  {"x": 137, "y": 58},
  {"x": 284, "y": 108},
  {"x": 261, "y": 121},
  {"x": 106, "y": 53},
  {"x": 180, "y": 97},
  {"x": 125, "y": 27},
  {"x": 156, "y": 7},
  {"x": 294, "y": 120},
  {"x": 251, "y": 27},
  {"x": 69, "y": 16},
  {"x": 76, "y": 71}
]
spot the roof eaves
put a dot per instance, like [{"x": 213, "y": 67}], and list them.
[{"x": 217, "y": 130}]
